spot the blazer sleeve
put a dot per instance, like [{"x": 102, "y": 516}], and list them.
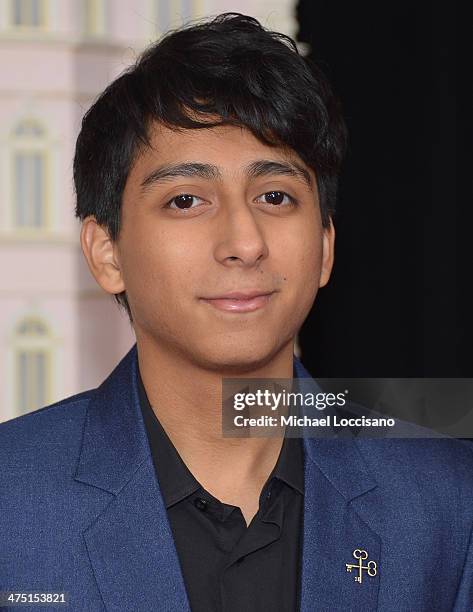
[{"x": 464, "y": 598}]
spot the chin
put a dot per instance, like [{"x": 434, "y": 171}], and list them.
[{"x": 236, "y": 360}]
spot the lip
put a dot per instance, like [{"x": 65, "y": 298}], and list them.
[
  {"x": 240, "y": 295},
  {"x": 240, "y": 302}
]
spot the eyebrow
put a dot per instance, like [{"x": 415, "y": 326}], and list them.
[
  {"x": 266, "y": 167},
  {"x": 262, "y": 167}
]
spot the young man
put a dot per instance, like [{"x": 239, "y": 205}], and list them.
[{"x": 206, "y": 178}]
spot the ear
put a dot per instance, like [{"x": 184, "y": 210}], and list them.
[
  {"x": 101, "y": 254},
  {"x": 327, "y": 254}
]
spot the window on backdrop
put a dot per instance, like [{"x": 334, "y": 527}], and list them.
[
  {"x": 33, "y": 355},
  {"x": 172, "y": 13},
  {"x": 28, "y": 13},
  {"x": 93, "y": 17},
  {"x": 29, "y": 162}
]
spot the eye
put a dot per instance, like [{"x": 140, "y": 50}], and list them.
[
  {"x": 187, "y": 201},
  {"x": 278, "y": 198},
  {"x": 183, "y": 201}
]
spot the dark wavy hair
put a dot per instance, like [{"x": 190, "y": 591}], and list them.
[{"x": 228, "y": 70}]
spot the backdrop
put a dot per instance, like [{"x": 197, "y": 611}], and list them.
[{"x": 399, "y": 303}]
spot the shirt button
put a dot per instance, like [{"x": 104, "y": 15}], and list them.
[{"x": 200, "y": 504}]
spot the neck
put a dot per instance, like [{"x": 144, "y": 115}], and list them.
[{"x": 187, "y": 399}]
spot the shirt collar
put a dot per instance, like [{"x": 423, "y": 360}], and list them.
[{"x": 177, "y": 481}]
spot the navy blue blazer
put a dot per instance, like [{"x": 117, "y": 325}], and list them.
[{"x": 81, "y": 511}]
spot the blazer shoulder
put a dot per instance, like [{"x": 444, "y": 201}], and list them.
[
  {"x": 57, "y": 424},
  {"x": 444, "y": 463}
]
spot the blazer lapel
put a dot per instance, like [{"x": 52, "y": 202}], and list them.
[
  {"x": 336, "y": 524},
  {"x": 130, "y": 543}
]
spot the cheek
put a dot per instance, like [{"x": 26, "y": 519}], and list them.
[
  {"x": 303, "y": 251},
  {"x": 302, "y": 267},
  {"x": 158, "y": 268},
  {"x": 308, "y": 273}
]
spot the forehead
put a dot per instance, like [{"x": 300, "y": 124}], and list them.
[{"x": 231, "y": 148}]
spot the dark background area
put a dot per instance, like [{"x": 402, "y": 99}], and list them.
[{"x": 399, "y": 302}]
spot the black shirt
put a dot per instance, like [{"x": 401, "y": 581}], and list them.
[{"x": 228, "y": 566}]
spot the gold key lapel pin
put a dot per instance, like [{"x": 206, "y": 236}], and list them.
[{"x": 371, "y": 567}]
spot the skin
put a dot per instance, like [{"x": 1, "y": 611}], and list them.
[{"x": 231, "y": 238}]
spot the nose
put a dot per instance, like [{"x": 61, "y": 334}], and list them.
[{"x": 241, "y": 239}]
